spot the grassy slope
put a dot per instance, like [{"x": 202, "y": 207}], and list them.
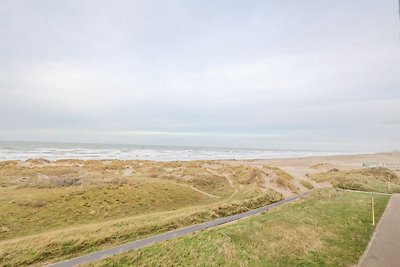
[
  {"x": 51, "y": 211},
  {"x": 54, "y": 210},
  {"x": 374, "y": 179},
  {"x": 30, "y": 211},
  {"x": 38, "y": 196},
  {"x": 327, "y": 228},
  {"x": 65, "y": 243}
]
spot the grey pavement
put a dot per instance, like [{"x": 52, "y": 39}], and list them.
[
  {"x": 98, "y": 255},
  {"x": 384, "y": 247}
]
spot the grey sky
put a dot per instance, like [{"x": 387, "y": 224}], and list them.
[{"x": 269, "y": 74}]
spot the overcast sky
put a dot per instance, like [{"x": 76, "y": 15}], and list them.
[{"x": 267, "y": 74}]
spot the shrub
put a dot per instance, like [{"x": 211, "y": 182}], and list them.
[{"x": 306, "y": 184}]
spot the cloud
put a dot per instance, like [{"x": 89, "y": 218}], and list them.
[{"x": 261, "y": 74}]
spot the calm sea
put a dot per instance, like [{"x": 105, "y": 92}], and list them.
[{"x": 53, "y": 151}]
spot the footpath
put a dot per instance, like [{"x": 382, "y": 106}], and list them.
[
  {"x": 384, "y": 247},
  {"x": 98, "y": 255}
]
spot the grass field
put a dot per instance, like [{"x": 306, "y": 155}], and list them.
[{"x": 327, "y": 228}]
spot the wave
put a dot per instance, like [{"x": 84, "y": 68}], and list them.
[{"x": 54, "y": 151}]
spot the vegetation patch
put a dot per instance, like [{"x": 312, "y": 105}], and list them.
[
  {"x": 30, "y": 210},
  {"x": 52, "y": 210},
  {"x": 283, "y": 179},
  {"x": 61, "y": 244},
  {"x": 327, "y": 228},
  {"x": 306, "y": 184},
  {"x": 373, "y": 179}
]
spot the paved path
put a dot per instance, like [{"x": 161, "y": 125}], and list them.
[
  {"x": 95, "y": 256},
  {"x": 384, "y": 247}
]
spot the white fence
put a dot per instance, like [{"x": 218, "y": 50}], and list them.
[{"x": 389, "y": 165}]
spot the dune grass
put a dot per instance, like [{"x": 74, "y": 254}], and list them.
[
  {"x": 327, "y": 228},
  {"x": 283, "y": 179},
  {"x": 38, "y": 195},
  {"x": 26, "y": 211},
  {"x": 373, "y": 179},
  {"x": 306, "y": 184},
  {"x": 54, "y": 210},
  {"x": 73, "y": 241}
]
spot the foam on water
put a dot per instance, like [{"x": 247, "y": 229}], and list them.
[{"x": 54, "y": 151}]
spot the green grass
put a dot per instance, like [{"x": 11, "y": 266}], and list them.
[
  {"x": 373, "y": 180},
  {"x": 327, "y": 228}
]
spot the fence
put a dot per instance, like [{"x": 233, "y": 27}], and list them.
[{"x": 389, "y": 165}]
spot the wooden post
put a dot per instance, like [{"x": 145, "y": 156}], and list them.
[{"x": 373, "y": 211}]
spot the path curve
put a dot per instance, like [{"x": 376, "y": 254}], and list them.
[{"x": 98, "y": 255}]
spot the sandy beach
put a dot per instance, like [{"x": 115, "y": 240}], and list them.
[{"x": 302, "y": 168}]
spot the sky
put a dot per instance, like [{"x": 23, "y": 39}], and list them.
[{"x": 259, "y": 74}]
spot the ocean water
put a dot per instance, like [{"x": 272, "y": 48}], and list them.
[{"x": 54, "y": 151}]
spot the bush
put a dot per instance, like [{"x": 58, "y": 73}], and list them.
[{"x": 306, "y": 184}]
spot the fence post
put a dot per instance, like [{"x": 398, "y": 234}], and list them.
[{"x": 373, "y": 211}]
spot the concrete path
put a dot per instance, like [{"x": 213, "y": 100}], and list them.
[
  {"x": 95, "y": 256},
  {"x": 384, "y": 247}
]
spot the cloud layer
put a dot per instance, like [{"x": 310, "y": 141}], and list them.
[{"x": 266, "y": 74}]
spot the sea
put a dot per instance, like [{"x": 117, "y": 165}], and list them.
[{"x": 53, "y": 151}]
